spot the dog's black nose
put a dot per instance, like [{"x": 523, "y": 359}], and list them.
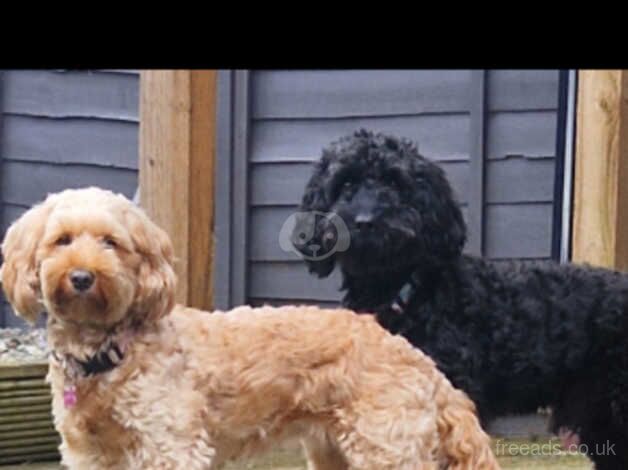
[
  {"x": 364, "y": 221},
  {"x": 81, "y": 279}
]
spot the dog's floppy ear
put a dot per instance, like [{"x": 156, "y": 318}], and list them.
[
  {"x": 442, "y": 225},
  {"x": 318, "y": 195},
  {"x": 156, "y": 277},
  {"x": 317, "y": 199},
  {"x": 20, "y": 271}
]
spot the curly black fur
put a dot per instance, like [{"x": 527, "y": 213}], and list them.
[{"x": 515, "y": 336}]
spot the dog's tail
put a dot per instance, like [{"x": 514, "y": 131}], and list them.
[{"x": 465, "y": 444}]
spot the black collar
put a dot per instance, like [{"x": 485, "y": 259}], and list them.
[{"x": 103, "y": 361}]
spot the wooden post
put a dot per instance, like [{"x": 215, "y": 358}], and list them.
[
  {"x": 600, "y": 223},
  {"x": 177, "y": 152}
]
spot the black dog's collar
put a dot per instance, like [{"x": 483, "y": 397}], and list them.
[{"x": 405, "y": 294}]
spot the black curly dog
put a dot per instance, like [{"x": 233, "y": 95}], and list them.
[{"x": 514, "y": 336}]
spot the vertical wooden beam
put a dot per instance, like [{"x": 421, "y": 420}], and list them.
[
  {"x": 177, "y": 154},
  {"x": 600, "y": 222}
]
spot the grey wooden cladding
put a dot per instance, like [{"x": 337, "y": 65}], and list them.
[
  {"x": 341, "y": 93},
  {"x": 516, "y": 90},
  {"x": 518, "y": 179},
  {"x": 440, "y": 137},
  {"x": 518, "y": 231},
  {"x": 532, "y": 134},
  {"x": 85, "y": 141},
  {"x": 28, "y": 183},
  {"x": 296, "y": 113},
  {"x": 87, "y": 94},
  {"x": 11, "y": 213},
  {"x": 291, "y": 281}
]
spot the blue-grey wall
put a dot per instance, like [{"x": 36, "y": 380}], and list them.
[{"x": 63, "y": 129}]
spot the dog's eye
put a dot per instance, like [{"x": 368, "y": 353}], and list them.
[
  {"x": 347, "y": 185},
  {"x": 63, "y": 240},
  {"x": 110, "y": 242}
]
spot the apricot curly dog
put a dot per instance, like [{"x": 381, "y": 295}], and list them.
[{"x": 139, "y": 383}]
